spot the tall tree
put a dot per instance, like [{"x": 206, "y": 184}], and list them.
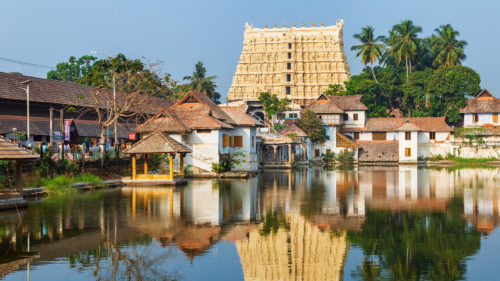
[
  {"x": 273, "y": 105},
  {"x": 74, "y": 70},
  {"x": 310, "y": 123},
  {"x": 447, "y": 49},
  {"x": 405, "y": 43},
  {"x": 200, "y": 83},
  {"x": 369, "y": 49}
]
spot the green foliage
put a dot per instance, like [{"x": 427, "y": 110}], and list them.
[
  {"x": 419, "y": 77},
  {"x": 6, "y": 177},
  {"x": 272, "y": 104},
  {"x": 345, "y": 157},
  {"x": 369, "y": 49},
  {"x": 328, "y": 157},
  {"x": 226, "y": 165},
  {"x": 312, "y": 126},
  {"x": 416, "y": 245},
  {"x": 62, "y": 184},
  {"x": 201, "y": 84},
  {"x": 272, "y": 222},
  {"x": 334, "y": 90},
  {"x": 74, "y": 70}
]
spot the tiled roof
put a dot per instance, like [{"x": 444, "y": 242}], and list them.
[
  {"x": 217, "y": 112},
  {"x": 378, "y": 151},
  {"x": 10, "y": 151},
  {"x": 292, "y": 128},
  {"x": 239, "y": 115},
  {"x": 165, "y": 121},
  {"x": 157, "y": 143},
  {"x": 349, "y": 102},
  {"x": 323, "y": 105},
  {"x": 484, "y": 102},
  {"x": 386, "y": 124},
  {"x": 41, "y": 126},
  {"x": 408, "y": 126},
  {"x": 65, "y": 93}
]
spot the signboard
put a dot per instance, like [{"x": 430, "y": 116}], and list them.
[
  {"x": 131, "y": 136},
  {"x": 57, "y": 136},
  {"x": 67, "y": 126}
]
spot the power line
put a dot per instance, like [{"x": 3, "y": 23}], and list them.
[{"x": 26, "y": 63}]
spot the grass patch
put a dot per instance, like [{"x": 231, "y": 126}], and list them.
[
  {"x": 472, "y": 160},
  {"x": 62, "y": 184}
]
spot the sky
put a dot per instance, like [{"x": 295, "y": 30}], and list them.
[{"x": 180, "y": 33}]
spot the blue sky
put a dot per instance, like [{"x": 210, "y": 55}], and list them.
[{"x": 180, "y": 33}]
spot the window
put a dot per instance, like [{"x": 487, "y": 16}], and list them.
[
  {"x": 356, "y": 135},
  {"x": 231, "y": 141},
  {"x": 288, "y": 77},
  {"x": 289, "y": 45},
  {"x": 379, "y": 136},
  {"x": 355, "y": 117},
  {"x": 346, "y": 117},
  {"x": 289, "y": 55},
  {"x": 293, "y": 115},
  {"x": 407, "y": 135},
  {"x": 288, "y": 90},
  {"x": 328, "y": 150},
  {"x": 432, "y": 135},
  {"x": 495, "y": 117},
  {"x": 225, "y": 140},
  {"x": 316, "y": 153},
  {"x": 238, "y": 141},
  {"x": 407, "y": 152},
  {"x": 475, "y": 118},
  {"x": 37, "y": 138},
  {"x": 253, "y": 141},
  {"x": 288, "y": 66},
  {"x": 280, "y": 115},
  {"x": 203, "y": 131}
]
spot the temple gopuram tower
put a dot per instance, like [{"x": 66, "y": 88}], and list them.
[{"x": 297, "y": 62}]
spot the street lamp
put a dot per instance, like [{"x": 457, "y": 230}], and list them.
[
  {"x": 114, "y": 92},
  {"x": 27, "y": 83}
]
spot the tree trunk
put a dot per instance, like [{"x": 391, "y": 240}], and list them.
[
  {"x": 373, "y": 72},
  {"x": 102, "y": 142},
  {"x": 407, "y": 73}
]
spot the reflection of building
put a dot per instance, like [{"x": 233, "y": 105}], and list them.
[{"x": 304, "y": 252}]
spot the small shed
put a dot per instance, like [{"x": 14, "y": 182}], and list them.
[
  {"x": 157, "y": 143},
  {"x": 10, "y": 151}
]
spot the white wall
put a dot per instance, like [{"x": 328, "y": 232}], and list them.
[
  {"x": 249, "y": 152},
  {"x": 484, "y": 118},
  {"x": 360, "y": 123},
  {"x": 412, "y": 144}
]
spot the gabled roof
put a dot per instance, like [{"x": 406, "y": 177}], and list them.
[
  {"x": 10, "y": 151},
  {"x": 408, "y": 126},
  {"x": 239, "y": 115},
  {"x": 386, "y": 124},
  {"x": 484, "y": 102},
  {"x": 202, "y": 98},
  {"x": 324, "y": 105},
  {"x": 165, "y": 121},
  {"x": 292, "y": 128},
  {"x": 157, "y": 143},
  {"x": 349, "y": 102}
]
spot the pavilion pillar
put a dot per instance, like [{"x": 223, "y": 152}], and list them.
[
  {"x": 305, "y": 152},
  {"x": 181, "y": 163},
  {"x": 133, "y": 167},
  {"x": 19, "y": 181},
  {"x": 171, "y": 164},
  {"x": 145, "y": 164},
  {"x": 274, "y": 153},
  {"x": 290, "y": 153},
  {"x": 51, "y": 127}
]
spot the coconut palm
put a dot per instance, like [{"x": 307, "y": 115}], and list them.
[
  {"x": 200, "y": 83},
  {"x": 447, "y": 49},
  {"x": 369, "y": 50},
  {"x": 405, "y": 43}
]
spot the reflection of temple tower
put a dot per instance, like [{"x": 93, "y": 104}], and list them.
[
  {"x": 297, "y": 62},
  {"x": 302, "y": 253}
]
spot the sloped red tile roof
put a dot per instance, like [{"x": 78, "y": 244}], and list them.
[
  {"x": 292, "y": 128},
  {"x": 65, "y": 93},
  {"x": 324, "y": 105},
  {"x": 157, "y": 143},
  {"x": 349, "y": 102},
  {"x": 484, "y": 102},
  {"x": 386, "y": 124},
  {"x": 239, "y": 115},
  {"x": 10, "y": 151},
  {"x": 165, "y": 121}
]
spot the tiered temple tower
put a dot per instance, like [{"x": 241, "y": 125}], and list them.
[{"x": 298, "y": 62}]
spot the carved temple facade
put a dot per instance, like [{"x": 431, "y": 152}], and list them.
[{"x": 296, "y": 62}]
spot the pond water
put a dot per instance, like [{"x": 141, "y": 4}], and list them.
[{"x": 369, "y": 223}]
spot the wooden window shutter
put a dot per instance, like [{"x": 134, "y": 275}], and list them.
[
  {"x": 238, "y": 141},
  {"x": 225, "y": 140},
  {"x": 495, "y": 117},
  {"x": 408, "y": 152}
]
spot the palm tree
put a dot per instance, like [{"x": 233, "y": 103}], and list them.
[
  {"x": 447, "y": 49},
  {"x": 369, "y": 50},
  {"x": 200, "y": 83},
  {"x": 405, "y": 43}
]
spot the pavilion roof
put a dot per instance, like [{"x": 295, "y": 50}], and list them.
[
  {"x": 157, "y": 143},
  {"x": 10, "y": 151}
]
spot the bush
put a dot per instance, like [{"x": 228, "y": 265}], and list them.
[
  {"x": 345, "y": 157},
  {"x": 328, "y": 157},
  {"x": 62, "y": 184},
  {"x": 222, "y": 166}
]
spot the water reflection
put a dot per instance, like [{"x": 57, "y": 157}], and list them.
[{"x": 409, "y": 223}]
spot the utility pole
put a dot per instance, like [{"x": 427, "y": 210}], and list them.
[
  {"x": 27, "y": 83},
  {"x": 114, "y": 107}
]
